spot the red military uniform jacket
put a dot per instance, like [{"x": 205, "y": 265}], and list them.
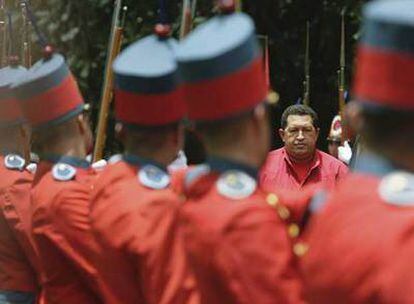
[
  {"x": 356, "y": 241},
  {"x": 67, "y": 276},
  {"x": 134, "y": 217},
  {"x": 237, "y": 243},
  {"x": 17, "y": 255}
]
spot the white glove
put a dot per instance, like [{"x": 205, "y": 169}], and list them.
[
  {"x": 345, "y": 153},
  {"x": 179, "y": 163},
  {"x": 99, "y": 165}
]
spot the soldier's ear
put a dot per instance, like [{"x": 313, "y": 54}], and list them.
[
  {"x": 82, "y": 124},
  {"x": 119, "y": 131},
  {"x": 354, "y": 116},
  {"x": 260, "y": 112}
]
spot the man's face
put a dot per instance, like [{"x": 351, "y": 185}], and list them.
[{"x": 300, "y": 136}]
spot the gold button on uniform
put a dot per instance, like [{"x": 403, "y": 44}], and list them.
[
  {"x": 284, "y": 212},
  {"x": 294, "y": 230},
  {"x": 300, "y": 249},
  {"x": 272, "y": 199}
]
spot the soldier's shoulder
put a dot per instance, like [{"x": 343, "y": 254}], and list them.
[
  {"x": 397, "y": 188},
  {"x": 236, "y": 185}
]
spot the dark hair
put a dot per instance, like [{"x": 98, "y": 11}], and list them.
[
  {"x": 386, "y": 128},
  {"x": 144, "y": 139},
  {"x": 301, "y": 110}
]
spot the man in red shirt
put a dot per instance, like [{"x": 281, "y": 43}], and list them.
[
  {"x": 299, "y": 163},
  {"x": 18, "y": 283},
  {"x": 235, "y": 233},
  {"x": 361, "y": 244}
]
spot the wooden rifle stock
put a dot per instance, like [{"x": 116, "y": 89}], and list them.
[{"x": 114, "y": 48}]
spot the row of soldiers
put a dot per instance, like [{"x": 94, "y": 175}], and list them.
[{"x": 132, "y": 233}]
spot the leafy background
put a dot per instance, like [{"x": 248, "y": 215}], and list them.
[{"x": 80, "y": 30}]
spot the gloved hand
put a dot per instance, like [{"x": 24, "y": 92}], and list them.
[{"x": 345, "y": 153}]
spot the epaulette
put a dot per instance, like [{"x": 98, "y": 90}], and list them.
[
  {"x": 14, "y": 162},
  {"x": 398, "y": 189},
  {"x": 194, "y": 173},
  {"x": 99, "y": 165},
  {"x": 153, "y": 177},
  {"x": 63, "y": 172},
  {"x": 236, "y": 185}
]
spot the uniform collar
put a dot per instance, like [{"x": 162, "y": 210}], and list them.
[
  {"x": 222, "y": 165},
  {"x": 375, "y": 164},
  {"x": 69, "y": 160},
  {"x": 138, "y": 161}
]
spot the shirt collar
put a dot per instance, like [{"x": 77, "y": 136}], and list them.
[
  {"x": 69, "y": 160},
  {"x": 222, "y": 165},
  {"x": 138, "y": 161},
  {"x": 316, "y": 161}
]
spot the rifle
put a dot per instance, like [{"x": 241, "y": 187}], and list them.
[
  {"x": 3, "y": 34},
  {"x": 186, "y": 18},
  {"x": 114, "y": 47},
  {"x": 239, "y": 5},
  {"x": 341, "y": 76},
  {"x": 26, "y": 54},
  {"x": 306, "y": 82}
]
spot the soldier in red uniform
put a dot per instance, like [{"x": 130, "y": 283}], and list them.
[
  {"x": 18, "y": 282},
  {"x": 235, "y": 234},
  {"x": 359, "y": 242},
  {"x": 133, "y": 210},
  {"x": 53, "y": 105}
]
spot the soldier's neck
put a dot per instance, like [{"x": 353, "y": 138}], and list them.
[
  {"x": 237, "y": 155},
  {"x": 70, "y": 148},
  {"x": 162, "y": 156}
]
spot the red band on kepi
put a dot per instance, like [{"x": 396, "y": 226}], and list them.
[
  {"x": 149, "y": 109},
  {"x": 385, "y": 63},
  {"x": 225, "y": 96},
  {"x": 227, "y": 78},
  {"x": 146, "y": 82},
  {"x": 385, "y": 77},
  {"x": 54, "y": 103},
  {"x": 10, "y": 111},
  {"x": 49, "y": 93}
]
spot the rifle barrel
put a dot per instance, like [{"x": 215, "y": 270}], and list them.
[
  {"x": 306, "y": 82},
  {"x": 26, "y": 56},
  {"x": 341, "y": 80}
]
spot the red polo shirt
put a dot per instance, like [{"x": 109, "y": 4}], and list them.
[{"x": 280, "y": 173}]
